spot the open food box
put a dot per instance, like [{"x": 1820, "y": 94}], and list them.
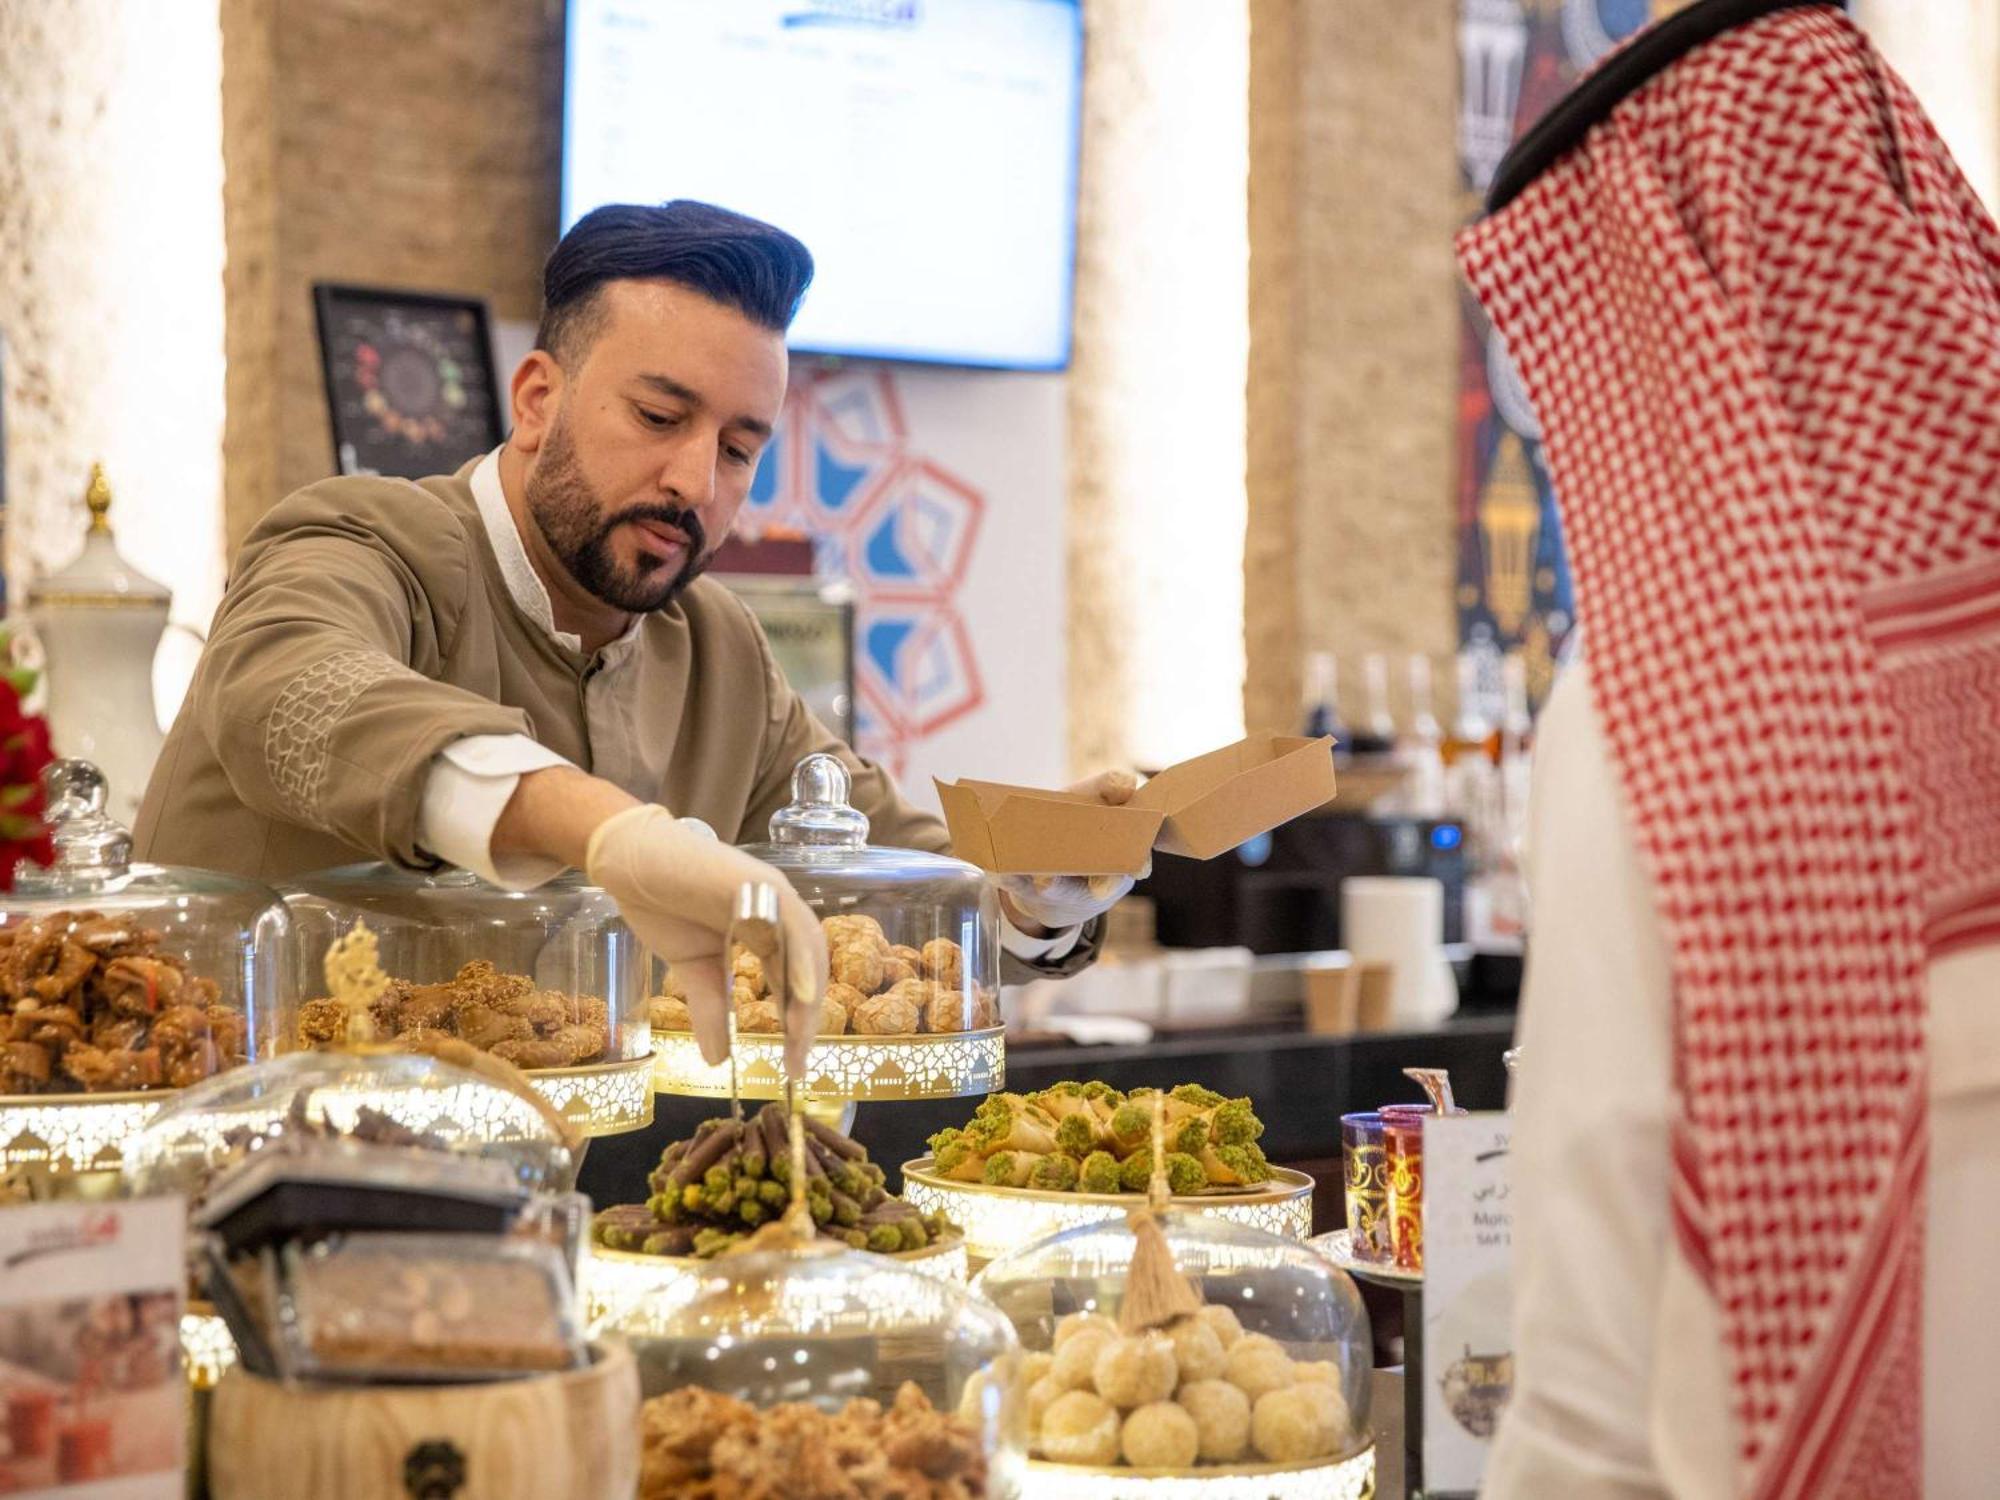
[{"x": 1199, "y": 808}]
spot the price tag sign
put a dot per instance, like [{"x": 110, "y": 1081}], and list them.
[
  {"x": 1468, "y": 1302},
  {"x": 92, "y": 1397}
]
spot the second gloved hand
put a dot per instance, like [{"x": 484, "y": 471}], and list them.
[
  {"x": 677, "y": 888},
  {"x": 1056, "y": 902}
]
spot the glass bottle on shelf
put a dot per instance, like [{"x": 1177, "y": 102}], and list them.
[
  {"x": 1510, "y": 895},
  {"x": 1322, "y": 701},
  {"x": 1421, "y": 749},
  {"x": 1376, "y": 734}
]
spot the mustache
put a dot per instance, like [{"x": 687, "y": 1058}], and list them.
[{"x": 684, "y": 521}]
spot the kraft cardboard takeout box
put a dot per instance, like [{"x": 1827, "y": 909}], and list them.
[{"x": 1200, "y": 808}]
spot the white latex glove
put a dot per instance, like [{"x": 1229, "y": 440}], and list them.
[
  {"x": 677, "y": 889},
  {"x": 1063, "y": 901}
]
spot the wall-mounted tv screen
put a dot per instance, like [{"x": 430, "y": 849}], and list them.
[{"x": 925, "y": 151}]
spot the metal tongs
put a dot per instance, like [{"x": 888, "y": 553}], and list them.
[{"x": 754, "y": 927}]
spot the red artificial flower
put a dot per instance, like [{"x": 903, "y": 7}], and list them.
[{"x": 24, "y": 755}]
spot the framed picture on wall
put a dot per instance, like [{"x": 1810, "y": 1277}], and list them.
[{"x": 409, "y": 379}]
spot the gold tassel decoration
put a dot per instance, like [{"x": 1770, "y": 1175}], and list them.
[{"x": 1156, "y": 1293}]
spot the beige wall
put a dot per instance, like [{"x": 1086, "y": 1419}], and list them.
[
  {"x": 1156, "y": 412},
  {"x": 111, "y": 249},
  {"x": 381, "y": 142},
  {"x": 1353, "y": 313}
]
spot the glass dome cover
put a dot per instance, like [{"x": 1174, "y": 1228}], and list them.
[
  {"x": 340, "y": 1101},
  {"x": 912, "y": 937},
  {"x": 118, "y": 976},
  {"x": 545, "y": 979},
  {"x": 1259, "y": 1386},
  {"x": 757, "y": 1338}
]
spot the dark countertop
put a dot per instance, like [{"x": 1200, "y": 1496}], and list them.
[{"x": 1301, "y": 1085}]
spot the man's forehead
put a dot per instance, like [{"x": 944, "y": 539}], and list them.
[{"x": 663, "y": 328}]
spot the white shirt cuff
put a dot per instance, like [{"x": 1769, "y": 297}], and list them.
[
  {"x": 469, "y": 785},
  {"x": 1032, "y": 950}
]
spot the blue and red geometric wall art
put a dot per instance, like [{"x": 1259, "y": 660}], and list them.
[{"x": 899, "y": 529}]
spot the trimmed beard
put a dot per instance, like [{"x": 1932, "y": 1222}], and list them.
[{"x": 567, "y": 513}]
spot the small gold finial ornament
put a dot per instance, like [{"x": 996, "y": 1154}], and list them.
[
  {"x": 354, "y": 977},
  {"x": 97, "y": 499}
]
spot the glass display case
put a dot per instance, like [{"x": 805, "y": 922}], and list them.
[
  {"x": 334, "y": 1102},
  {"x": 772, "y": 1361},
  {"x": 121, "y": 981},
  {"x": 337, "y": 1108},
  {"x": 1256, "y": 1390},
  {"x": 551, "y": 980},
  {"x": 913, "y": 1003}
]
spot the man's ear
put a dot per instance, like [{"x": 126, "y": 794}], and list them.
[{"x": 534, "y": 394}]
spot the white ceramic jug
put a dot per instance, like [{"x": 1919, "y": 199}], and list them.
[{"x": 99, "y": 622}]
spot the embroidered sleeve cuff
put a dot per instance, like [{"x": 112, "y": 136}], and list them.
[{"x": 469, "y": 785}]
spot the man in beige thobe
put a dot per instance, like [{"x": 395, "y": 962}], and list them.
[{"x": 517, "y": 669}]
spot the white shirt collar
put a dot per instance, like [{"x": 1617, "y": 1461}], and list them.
[{"x": 524, "y": 584}]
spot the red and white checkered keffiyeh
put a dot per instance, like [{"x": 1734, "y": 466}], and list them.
[{"x": 1758, "y": 311}]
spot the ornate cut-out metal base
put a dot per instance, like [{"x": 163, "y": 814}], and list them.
[
  {"x": 62, "y": 1134},
  {"x": 600, "y": 1098},
  {"x": 608, "y": 1280},
  {"x": 1345, "y": 1479},
  {"x": 996, "y": 1219},
  {"x": 1338, "y": 1247},
  {"x": 865, "y": 1069}
]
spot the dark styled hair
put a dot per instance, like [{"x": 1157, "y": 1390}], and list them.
[{"x": 738, "y": 261}]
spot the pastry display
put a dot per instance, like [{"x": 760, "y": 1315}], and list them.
[
  {"x": 507, "y": 1015},
  {"x": 1134, "y": 1399},
  {"x": 875, "y": 988},
  {"x": 92, "y": 1004},
  {"x": 1089, "y": 1138},
  {"x": 1186, "y": 1347},
  {"x": 698, "y": 1445},
  {"x": 550, "y": 980},
  {"x": 405, "y": 1305},
  {"x": 712, "y": 1190}
]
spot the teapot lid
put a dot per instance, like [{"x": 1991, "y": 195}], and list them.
[{"x": 97, "y": 577}]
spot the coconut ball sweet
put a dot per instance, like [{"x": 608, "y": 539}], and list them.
[
  {"x": 1042, "y": 1394},
  {"x": 1257, "y": 1366},
  {"x": 1076, "y": 1358},
  {"x": 1134, "y": 1371},
  {"x": 1318, "y": 1371},
  {"x": 1221, "y": 1416},
  {"x": 1223, "y": 1322},
  {"x": 1197, "y": 1350},
  {"x": 1159, "y": 1435},
  {"x": 1080, "y": 1427},
  {"x": 1297, "y": 1423},
  {"x": 1077, "y": 1323}
]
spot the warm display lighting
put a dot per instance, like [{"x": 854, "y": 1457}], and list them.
[{"x": 860, "y": 1068}]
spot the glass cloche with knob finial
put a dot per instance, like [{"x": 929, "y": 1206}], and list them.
[
  {"x": 814, "y": 1369},
  {"x": 912, "y": 1004},
  {"x": 1219, "y": 1361},
  {"x": 119, "y": 977},
  {"x": 338, "y": 1103},
  {"x": 550, "y": 979}
]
